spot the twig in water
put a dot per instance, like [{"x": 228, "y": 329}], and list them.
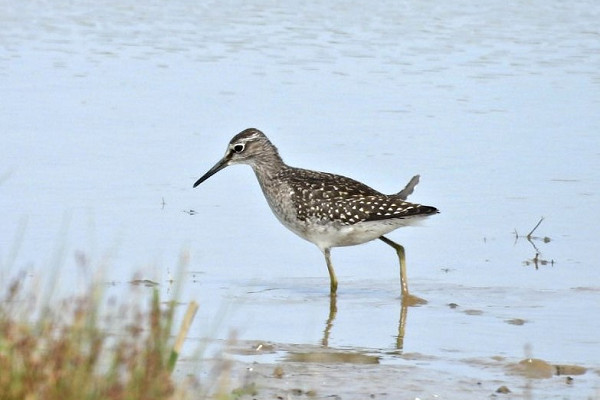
[
  {"x": 534, "y": 228},
  {"x": 530, "y": 238}
]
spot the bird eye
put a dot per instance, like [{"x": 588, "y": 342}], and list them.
[{"x": 238, "y": 148}]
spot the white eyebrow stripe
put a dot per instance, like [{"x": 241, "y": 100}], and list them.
[{"x": 253, "y": 136}]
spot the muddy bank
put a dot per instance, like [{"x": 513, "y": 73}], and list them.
[{"x": 257, "y": 370}]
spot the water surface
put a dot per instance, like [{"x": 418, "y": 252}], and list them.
[{"x": 109, "y": 112}]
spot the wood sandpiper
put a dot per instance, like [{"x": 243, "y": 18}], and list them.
[{"x": 325, "y": 209}]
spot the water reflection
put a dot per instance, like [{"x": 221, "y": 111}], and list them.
[
  {"x": 405, "y": 303},
  {"x": 537, "y": 259},
  {"x": 401, "y": 326},
  {"x": 330, "y": 319}
]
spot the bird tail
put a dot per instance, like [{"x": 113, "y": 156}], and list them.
[{"x": 409, "y": 188}]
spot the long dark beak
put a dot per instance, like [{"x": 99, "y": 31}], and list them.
[{"x": 217, "y": 167}]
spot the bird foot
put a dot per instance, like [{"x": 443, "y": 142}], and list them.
[{"x": 410, "y": 300}]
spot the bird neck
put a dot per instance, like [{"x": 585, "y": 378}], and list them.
[
  {"x": 268, "y": 165},
  {"x": 266, "y": 170}
]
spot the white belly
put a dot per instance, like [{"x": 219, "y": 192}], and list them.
[{"x": 338, "y": 235}]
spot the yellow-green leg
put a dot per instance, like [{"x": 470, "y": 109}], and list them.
[
  {"x": 332, "y": 279},
  {"x": 406, "y": 296}
]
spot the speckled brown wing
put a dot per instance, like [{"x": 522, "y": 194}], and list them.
[{"x": 331, "y": 197}]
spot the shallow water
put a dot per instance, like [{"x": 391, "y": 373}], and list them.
[{"x": 109, "y": 112}]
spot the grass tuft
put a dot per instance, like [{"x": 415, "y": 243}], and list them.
[{"x": 67, "y": 353}]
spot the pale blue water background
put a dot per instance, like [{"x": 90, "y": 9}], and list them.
[{"x": 108, "y": 108}]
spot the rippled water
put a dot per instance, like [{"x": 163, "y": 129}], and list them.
[{"x": 110, "y": 111}]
